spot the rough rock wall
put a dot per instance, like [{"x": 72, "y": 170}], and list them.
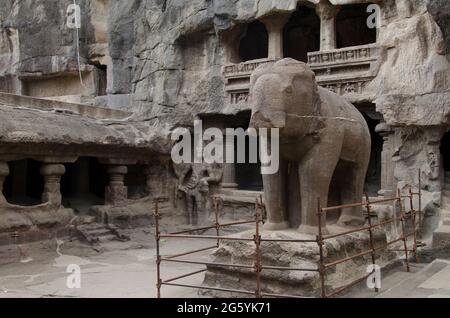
[
  {"x": 35, "y": 34},
  {"x": 440, "y": 10}
]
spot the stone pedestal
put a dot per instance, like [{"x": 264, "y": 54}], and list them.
[
  {"x": 4, "y": 172},
  {"x": 52, "y": 188},
  {"x": 275, "y": 26},
  {"x": 116, "y": 193},
  {"x": 327, "y": 14},
  {"x": 299, "y": 255},
  {"x": 387, "y": 164}
]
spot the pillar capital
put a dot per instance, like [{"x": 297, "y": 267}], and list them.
[
  {"x": 325, "y": 10},
  {"x": 327, "y": 14},
  {"x": 52, "y": 169},
  {"x": 52, "y": 178},
  {"x": 116, "y": 193}
]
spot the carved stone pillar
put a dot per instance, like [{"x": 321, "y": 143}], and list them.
[
  {"x": 4, "y": 172},
  {"x": 52, "y": 188},
  {"x": 327, "y": 14},
  {"x": 275, "y": 26},
  {"x": 116, "y": 193},
  {"x": 229, "y": 169},
  {"x": 387, "y": 164}
]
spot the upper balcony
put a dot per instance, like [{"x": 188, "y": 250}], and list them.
[{"x": 335, "y": 41}]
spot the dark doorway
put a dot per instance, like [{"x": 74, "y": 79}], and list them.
[
  {"x": 302, "y": 34},
  {"x": 136, "y": 182},
  {"x": 82, "y": 184},
  {"x": 445, "y": 151},
  {"x": 248, "y": 175},
  {"x": 373, "y": 177},
  {"x": 24, "y": 185},
  {"x": 254, "y": 43},
  {"x": 101, "y": 78},
  {"x": 352, "y": 28}
]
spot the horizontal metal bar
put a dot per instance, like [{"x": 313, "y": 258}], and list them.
[
  {"x": 281, "y": 268},
  {"x": 206, "y": 263},
  {"x": 361, "y": 204},
  {"x": 366, "y": 228},
  {"x": 183, "y": 276},
  {"x": 211, "y": 288},
  {"x": 351, "y": 205},
  {"x": 282, "y": 296},
  {"x": 346, "y": 233},
  {"x": 388, "y": 244},
  {"x": 194, "y": 230},
  {"x": 289, "y": 241},
  {"x": 340, "y": 290},
  {"x": 236, "y": 223},
  {"x": 206, "y": 237},
  {"x": 191, "y": 252},
  {"x": 384, "y": 200},
  {"x": 349, "y": 258}
]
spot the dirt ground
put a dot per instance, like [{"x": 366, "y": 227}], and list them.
[{"x": 119, "y": 270}]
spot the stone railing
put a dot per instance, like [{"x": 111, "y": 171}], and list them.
[
  {"x": 343, "y": 71},
  {"x": 356, "y": 54},
  {"x": 237, "y": 79}
]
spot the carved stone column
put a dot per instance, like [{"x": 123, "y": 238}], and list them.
[
  {"x": 275, "y": 26},
  {"x": 52, "y": 188},
  {"x": 229, "y": 169},
  {"x": 327, "y": 14},
  {"x": 387, "y": 164},
  {"x": 4, "y": 172},
  {"x": 116, "y": 193}
]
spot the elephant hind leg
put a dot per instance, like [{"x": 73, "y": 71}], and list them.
[{"x": 352, "y": 190}]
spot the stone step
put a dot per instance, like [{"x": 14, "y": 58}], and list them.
[
  {"x": 99, "y": 232},
  {"x": 447, "y": 221},
  {"x": 106, "y": 238},
  {"x": 446, "y": 193},
  {"x": 441, "y": 237}
]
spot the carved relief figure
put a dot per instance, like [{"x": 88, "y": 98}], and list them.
[
  {"x": 194, "y": 187},
  {"x": 321, "y": 136}
]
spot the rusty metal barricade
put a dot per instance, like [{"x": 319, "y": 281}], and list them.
[{"x": 320, "y": 240}]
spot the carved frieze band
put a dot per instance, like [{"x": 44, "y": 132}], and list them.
[{"x": 342, "y": 56}]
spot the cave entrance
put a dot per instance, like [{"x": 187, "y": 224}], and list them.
[
  {"x": 101, "y": 79},
  {"x": 373, "y": 178},
  {"x": 83, "y": 184},
  {"x": 352, "y": 28},
  {"x": 136, "y": 182},
  {"x": 24, "y": 184},
  {"x": 445, "y": 151},
  {"x": 254, "y": 42},
  {"x": 302, "y": 34},
  {"x": 248, "y": 175}
]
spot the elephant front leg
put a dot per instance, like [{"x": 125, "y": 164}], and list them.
[
  {"x": 315, "y": 178},
  {"x": 275, "y": 197}
]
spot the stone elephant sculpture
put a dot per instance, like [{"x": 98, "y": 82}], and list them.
[{"x": 324, "y": 142}]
